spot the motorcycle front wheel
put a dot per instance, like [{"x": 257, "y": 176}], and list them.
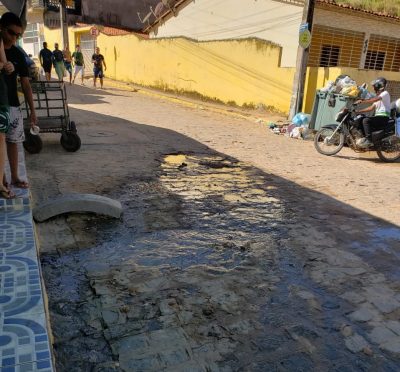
[
  {"x": 390, "y": 154},
  {"x": 327, "y": 143}
]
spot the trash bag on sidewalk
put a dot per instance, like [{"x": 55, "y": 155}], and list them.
[
  {"x": 295, "y": 133},
  {"x": 301, "y": 119}
]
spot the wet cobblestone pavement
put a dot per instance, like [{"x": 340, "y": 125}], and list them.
[
  {"x": 217, "y": 266},
  {"x": 280, "y": 261}
]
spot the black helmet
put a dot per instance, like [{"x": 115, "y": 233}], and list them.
[{"x": 379, "y": 84}]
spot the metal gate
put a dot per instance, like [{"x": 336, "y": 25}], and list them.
[{"x": 88, "y": 46}]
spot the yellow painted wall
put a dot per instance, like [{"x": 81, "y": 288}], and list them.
[
  {"x": 52, "y": 36},
  {"x": 243, "y": 71}
]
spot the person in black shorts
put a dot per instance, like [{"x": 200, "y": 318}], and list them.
[
  {"x": 46, "y": 60},
  {"x": 98, "y": 63}
]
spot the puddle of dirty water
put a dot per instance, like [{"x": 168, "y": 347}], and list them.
[
  {"x": 392, "y": 233},
  {"x": 381, "y": 249},
  {"x": 197, "y": 276}
]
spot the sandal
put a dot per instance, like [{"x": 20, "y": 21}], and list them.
[
  {"x": 20, "y": 184},
  {"x": 6, "y": 194}
]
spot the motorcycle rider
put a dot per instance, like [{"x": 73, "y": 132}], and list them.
[{"x": 381, "y": 107}]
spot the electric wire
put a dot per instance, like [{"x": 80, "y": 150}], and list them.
[
  {"x": 218, "y": 28},
  {"x": 277, "y": 23}
]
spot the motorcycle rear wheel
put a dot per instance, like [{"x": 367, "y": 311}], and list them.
[
  {"x": 326, "y": 146},
  {"x": 389, "y": 156}
]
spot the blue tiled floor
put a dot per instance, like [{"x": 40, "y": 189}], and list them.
[{"x": 24, "y": 342}]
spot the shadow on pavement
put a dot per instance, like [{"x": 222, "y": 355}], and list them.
[
  {"x": 89, "y": 94},
  {"x": 303, "y": 262}
]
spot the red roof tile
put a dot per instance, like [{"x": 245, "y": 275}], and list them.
[{"x": 111, "y": 31}]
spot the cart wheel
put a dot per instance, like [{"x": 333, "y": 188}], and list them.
[
  {"x": 73, "y": 127},
  {"x": 70, "y": 141},
  {"x": 32, "y": 144}
]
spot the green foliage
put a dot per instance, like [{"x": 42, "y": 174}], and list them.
[{"x": 391, "y": 7}]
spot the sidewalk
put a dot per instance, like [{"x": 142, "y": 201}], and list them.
[{"x": 24, "y": 339}]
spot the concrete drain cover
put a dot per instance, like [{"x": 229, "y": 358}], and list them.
[{"x": 70, "y": 203}]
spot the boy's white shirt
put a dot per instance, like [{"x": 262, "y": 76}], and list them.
[{"x": 382, "y": 107}]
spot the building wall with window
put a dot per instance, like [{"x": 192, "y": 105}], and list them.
[
  {"x": 333, "y": 47},
  {"x": 354, "y": 39},
  {"x": 248, "y": 71},
  {"x": 33, "y": 37},
  {"x": 342, "y": 37}
]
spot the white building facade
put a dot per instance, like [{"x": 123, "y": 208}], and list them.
[{"x": 277, "y": 21}]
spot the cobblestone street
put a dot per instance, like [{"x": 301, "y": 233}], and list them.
[{"x": 238, "y": 249}]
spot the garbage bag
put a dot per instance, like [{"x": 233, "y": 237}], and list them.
[
  {"x": 307, "y": 134},
  {"x": 340, "y": 77},
  {"x": 345, "y": 82},
  {"x": 301, "y": 119},
  {"x": 330, "y": 85},
  {"x": 363, "y": 93},
  {"x": 295, "y": 133},
  {"x": 290, "y": 128},
  {"x": 350, "y": 91}
]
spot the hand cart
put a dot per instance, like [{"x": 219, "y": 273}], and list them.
[{"x": 50, "y": 101}]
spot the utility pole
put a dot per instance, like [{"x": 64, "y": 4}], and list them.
[
  {"x": 64, "y": 24},
  {"x": 296, "y": 103}
]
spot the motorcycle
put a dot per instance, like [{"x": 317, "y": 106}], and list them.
[{"x": 330, "y": 139}]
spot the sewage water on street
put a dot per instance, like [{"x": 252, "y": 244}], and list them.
[{"x": 198, "y": 276}]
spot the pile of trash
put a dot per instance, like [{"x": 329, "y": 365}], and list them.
[
  {"x": 343, "y": 85},
  {"x": 346, "y": 86},
  {"x": 297, "y": 128}
]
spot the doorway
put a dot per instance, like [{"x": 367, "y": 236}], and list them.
[{"x": 88, "y": 45}]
